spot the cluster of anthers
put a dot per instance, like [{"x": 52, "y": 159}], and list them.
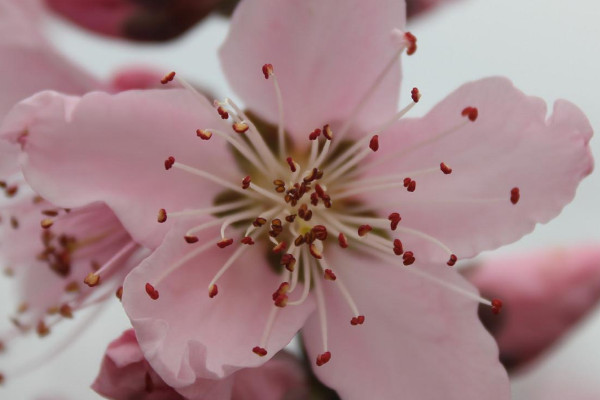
[{"x": 302, "y": 203}]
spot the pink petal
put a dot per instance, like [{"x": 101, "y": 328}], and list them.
[
  {"x": 29, "y": 63},
  {"x": 511, "y": 144},
  {"x": 549, "y": 288},
  {"x": 117, "y": 145},
  {"x": 185, "y": 335},
  {"x": 325, "y": 60},
  {"x": 418, "y": 341}
]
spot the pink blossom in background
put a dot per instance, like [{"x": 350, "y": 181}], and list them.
[
  {"x": 145, "y": 20},
  {"x": 392, "y": 203},
  {"x": 125, "y": 374},
  {"x": 545, "y": 293}
]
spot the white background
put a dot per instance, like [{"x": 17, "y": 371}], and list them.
[{"x": 550, "y": 48}]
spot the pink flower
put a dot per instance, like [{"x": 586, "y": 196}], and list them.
[
  {"x": 545, "y": 293},
  {"x": 125, "y": 374},
  {"x": 371, "y": 209},
  {"x": 137, "y": 20}
]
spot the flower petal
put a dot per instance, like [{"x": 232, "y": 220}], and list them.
[
  {"x": 511, "y": 144},
  {"x": 112, "y": 148},
  {"x": 554, "y": 288},
  {"x": 419, "y": 340},
  {"x": 185, "y": 335},
  {"x": 325, "y": 59}
]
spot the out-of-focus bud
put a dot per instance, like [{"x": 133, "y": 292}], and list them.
[{"x": 544, "y": 294}]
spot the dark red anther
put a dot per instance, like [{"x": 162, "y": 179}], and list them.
[
  {"x": 290, "y": 218},
  {"x": 407, "y": 182},
  {"x": 412, "y": 43},
  {"x": 162, "y": 215},
  {"x": 342, "y": 241},
  {"x": 282, "y": 289},
  {"x": 281, "y": 300},
  {"x": 267, "y": 71},
  {"x": 290, "y": 162},
  {"x": 246, "y": 182},
  {"x": 153, "y": 293},
  {"x": 359, "y": 320},
  {"x": 364, "y": 229},
  {"x": 470, "y": 112},
  {"x": 213, "y": 290},
  {"x": 327, "y": 132},
  {"x": 222, "y": 112},
  {"x": 168, "y": 78},
  {"x": 496, "y": 306},
  {"x": 323, "y": 358},
  {"x": 314, "y": 135},
  {"x": 42, "y": 329},
  {"x": 452, "y": 260},
  {"x": 289, "y": 261},
  {"x": 240, "y": 127},
  {"x": 279, "y": 247},
  {"x": 394, "y": 218},
  {"x": 515, "y": 195},
  {"x": 314, "y": 198},
  {"x": 415, "y": 95},
  {"x": 398, "y": 248},
  {"x": 374, "y": 143},
  {"x": 203, "y": 134},
  {"x": 119, "y": 293},
  {"x": 412, "y": 186},
  {"x": 191, "y": 239},
  {"x": 320, "y": 232},
  {"x": 408, "y": 258},
  {"x": 259, "y": 351},
  {"x": 224, "y": 243},
  {"x": 11, "y": 191},
  {"x": 169, "y": 162},
  {"x": 445, "y": 169},
  {"x": 329, "y": 275},
  {"x": 247, "y": 240}
]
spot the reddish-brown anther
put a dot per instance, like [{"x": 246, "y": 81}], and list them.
[
  {"x": 408, "y": 258},
  {"x": 290, "y": 162},
  {"x": 452, "y": 260},
  {"x": 247, "y": 240},
  {"x": 364, "y": 229},
  {"x": 289, "y": 261},
  {"x": 191, "y": 239},
  {"x": 279, "y": 247},
  {"x": 374, "y": 143},
  {"x": 168, "y": 78},
  {"x": 415, "y": 95},
  {"x": 224, "y": 243},
  {"x": 496, "y": 306},
  {"x": 412, "y": 186},
  {"x": 515, "y": 195},
  {"x": 290, "y": 218},
  {"x": 46, "y": 223},
  {"x": 412, "y": 43},
  {"x": 222, "y": 112},
  {"x": 258, "y": 222},
  {"x": 282, "y": 289},
  {"x": 357, "y": 320},
  {"x": 314, "y": 135},
  {"x": 11, "y": 191},
  {"x": 153, "y": 293},
  {"x": 213, "y": 290},
  {"x": 92, "y": 279},
  {"x": 323, "y": 358},
  {"x": 327, "y": 132},
  {"x": 66, "y": 311},
  {"x": 119, "y": 293},
  {"x": 342, "y": 241},
  {"x": 162, "y": 215},
  {"x": 314, "y": 251},
  {"x": 42, "y": 329},
  {"x": 329, "y": 275},
  {"x": 267, "y": 71},
  {"x": 259, "y": 351},
  {"x": 203, "y": 134},
  {"x": 398, "y": 248},
  {"x": 445, "y": 169},
  {"x": 470, "y": 112},
  {"x": 240, "y": 127},
  {"x": 246, "y": 182},
  {"x": 169, "y": 162},
  {"x": 320, "y": 232},
  {"x": 281, "y": 300},
  {"x": 394, "y": 218},
  {"x": 407, "y": 182}
]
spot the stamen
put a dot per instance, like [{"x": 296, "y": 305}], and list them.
[
  {"x": 342, "y": 241},
  {"x": 322, "y": 310},
  {"x": 269, "y": 72},
  {"x": 246, "y": 182},
  {"x": 445, "y": 169},
  {"x": 374, "y": 143},
  {"x": 213, "y": 290},
  {"x": 515, "y": 195},
  {"x": 168, "y": 78},
  {"x": 153, "y": 293},
  {"x": 306, "y": 268},
  {"x": 364, "y": 229},
  {"x": 238, "y": 252},
  {"x": 203, "y": 134},
  {"x": 92, "y": 279},
  {"x": 415, "y": 95},
  {"x": 206, "y": 175},
  {"x": 240, "y": 127},
  {"x": 162, "y": 215},
  {"x": 261, "y": 349},
  {"x": 395, "y": 219},
  {"x": 452, "y": 260},
  {"x": 496, "y": 306},
  {"x": 471, "y": 113},
  {"x": 46, "y": 223}
]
